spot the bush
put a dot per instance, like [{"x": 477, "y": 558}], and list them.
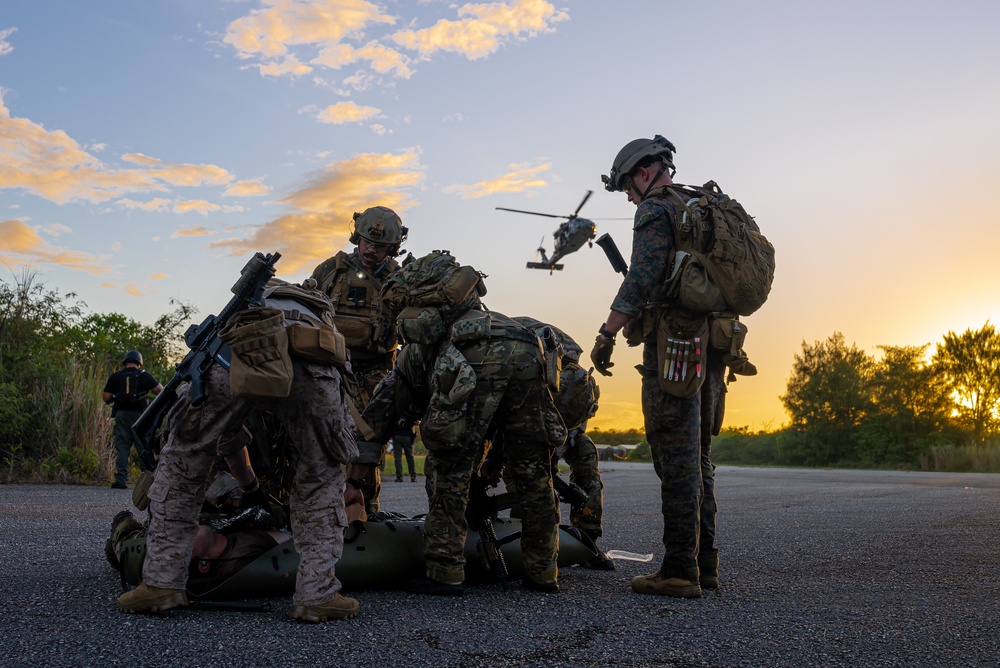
[{"x": 641, "y": 453}]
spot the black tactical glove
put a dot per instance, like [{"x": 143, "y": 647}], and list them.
[{"x": 601, "y": 354}]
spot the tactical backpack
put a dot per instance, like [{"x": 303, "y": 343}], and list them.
[
  {"x": 716, "y": 234},
  {"x": 295, "y": 321},
  {"x": 429, "y": 294}
]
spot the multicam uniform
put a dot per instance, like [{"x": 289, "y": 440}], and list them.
[
  {"x": 679, "y": 431},
  {"x": 462, "y": 389},
  {"x": 371, "y": 341},
  {"x": 577, "y": 402},
  {"x": 319, "y": 442}
]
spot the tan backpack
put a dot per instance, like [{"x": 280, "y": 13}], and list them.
[{"x": 716, "y": 234}]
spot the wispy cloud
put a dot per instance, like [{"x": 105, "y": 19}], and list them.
[
  {"x": 322, "y": 29},
  {"x": 318, "y": 224},
  {"x": 20, "y": 245},
  {"x": 482, "y": 28},
  {"x": 51, "y": 164},
  {"x": 5, "y": 46},
  {"x": 196, "y": 206},
  {"x": 519, "y": 178},
  {"x": 294, "y": 37},
  {"x": 192, "y": 231},
  {"x": 248, "y": 188},
  {"x": 347, "y": 112}
]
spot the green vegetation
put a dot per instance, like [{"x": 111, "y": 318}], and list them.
[
  {"x": 851, "y": 410},
  {"x": 54, "y": 361},
  {"x": 846, "y": 408}
]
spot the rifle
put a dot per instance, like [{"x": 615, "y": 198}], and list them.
[
  {"x": 610, "y": 248},
  {"x": 205, "y": 349},
  {"x": 481, "y": 510},
  {"x": 570, "y": 492}
]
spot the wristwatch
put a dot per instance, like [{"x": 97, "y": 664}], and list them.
[{"x": 605, "y": 333}]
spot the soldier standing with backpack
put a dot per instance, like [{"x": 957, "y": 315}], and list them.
[
  {"x": 682, "y": 379},
  {"x": 126, "y": 391}
]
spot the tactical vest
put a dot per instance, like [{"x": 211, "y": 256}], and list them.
[{"x": 355, "y": 295}]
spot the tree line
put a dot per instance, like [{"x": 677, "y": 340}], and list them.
[
  {"x": 898, "y": 409},
  {"x": 846, "y": 407}
]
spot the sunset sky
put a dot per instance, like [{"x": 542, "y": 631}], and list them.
[{"x": 147, "y": 149}]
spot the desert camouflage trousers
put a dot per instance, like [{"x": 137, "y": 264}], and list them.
[
  {"x": 314, "y": 416},
  {"x": 583, "y": 470},
  {"x": 523, "y": 406},
  {"x": 679, "y": 432}
]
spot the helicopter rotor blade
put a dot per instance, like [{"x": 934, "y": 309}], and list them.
[
  {"x": 585, "y": 198},
  {"x": 533, "y": 213}
]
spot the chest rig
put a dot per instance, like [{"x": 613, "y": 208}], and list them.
[{"x": 354, "y": 293}]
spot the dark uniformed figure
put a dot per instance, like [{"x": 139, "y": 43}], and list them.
[
  {"x": 402, "y": 446},
  {"x": 577, "y": 402},
  {"x": 127, "y": 391},
  {"x": 353, "y": 282},
  {"x": 463, "y": 372},
  {"x": 679, "y": 430}
]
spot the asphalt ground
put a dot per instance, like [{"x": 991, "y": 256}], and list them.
[{"x": 819, "y": 568}]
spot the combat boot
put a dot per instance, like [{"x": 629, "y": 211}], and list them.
[
  {"x": 338, "y": 607},
  {"x": 152, "y": 599},
  {"x": 708, "y": 569},
  {"x": 600, "y": 561},
  {"x": 659, "y": 584}
]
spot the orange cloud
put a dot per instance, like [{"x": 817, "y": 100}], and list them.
[
  {"x": 269, "y": 34},
  {"x": 322, "y": 209},
  {"x": 347, "y": 112},
  {"x": 197, "y": 206},
  {"x": 20, "y": 245},
  {"x": 484, "y": 28},
  {"x": 193, "y": 231},
  {"x": 52, "y": 165},
  {"x": 249, "y": 188},
  {"x": 521, "y": 177}
]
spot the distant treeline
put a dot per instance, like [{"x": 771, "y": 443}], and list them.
[
  {"x": 900, "y": 410},
  {"x": 846, "y": 408}
]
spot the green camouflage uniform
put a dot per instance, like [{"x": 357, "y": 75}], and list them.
[
  {"x": 461, "y": 390},
  {"x": 371, "y": 341},
  {"x": 577, "y": 402},
  {"x": 679, "y": 431}
]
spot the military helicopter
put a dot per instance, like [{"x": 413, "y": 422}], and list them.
[{"x": 569, "y": 237}]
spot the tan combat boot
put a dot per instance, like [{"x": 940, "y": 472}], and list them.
[
  {"x": 338, "y": 607},
  {"x": 658, "y": 584},
  {"x": 152, "y": 599}
]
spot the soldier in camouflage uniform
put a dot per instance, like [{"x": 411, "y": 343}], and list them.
[
  {"x": 577, "y": 402},
  {"x": 353, "y": 282},
  {"x": 679, "y": 430},
  {"x": 465, "y": 371},
  {"x": 320, "y": 441}
]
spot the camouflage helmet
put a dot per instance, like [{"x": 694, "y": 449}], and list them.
[
  {"x": 132, "y": 356},
  {"x": 632, "y": 154},
  {"x": 379, "y": 225}
]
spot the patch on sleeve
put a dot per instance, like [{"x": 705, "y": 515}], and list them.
[{"x": 649, "y": 211}]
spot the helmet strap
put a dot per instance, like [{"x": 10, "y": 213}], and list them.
[{"x": 659, "y": 173}]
